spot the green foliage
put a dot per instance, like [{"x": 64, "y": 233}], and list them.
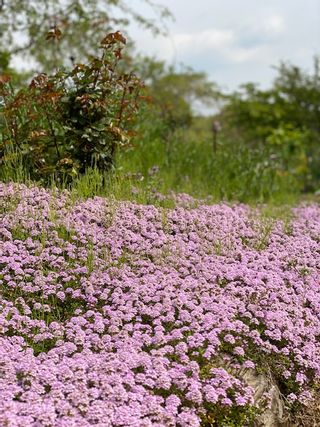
[
  {"x": 24, "y": 25},
  {"x": 17, "y": 77},
  {"x": 172, "y": 94},
  {"x": 63, "y": 123},
  {"x": 234, "y": 172},
  {"x": 284, "y": 119},
  {"x": 218, "y": 416}
]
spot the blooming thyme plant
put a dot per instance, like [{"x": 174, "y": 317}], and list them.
[{"x": 116, "y": 314}]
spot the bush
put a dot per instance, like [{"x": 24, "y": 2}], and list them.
[
  {"x": 63, "y": 123},
  {"x": 284, "y": 119}
]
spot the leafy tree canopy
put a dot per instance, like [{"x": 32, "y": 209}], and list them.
[
  {"x": 175, "y": 92},
  {"x": 285, "y": 117},
  {"x": 52, "y": 33},
  {"x": 293, "y": 99}
]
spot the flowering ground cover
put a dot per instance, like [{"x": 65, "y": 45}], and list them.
[{"x": 116, "y": 314}]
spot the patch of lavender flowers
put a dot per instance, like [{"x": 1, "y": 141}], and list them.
[{"x": 116, "y": 314}]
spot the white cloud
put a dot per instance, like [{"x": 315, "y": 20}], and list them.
[
  {"x": 239, "y": 55},
  {"x": 238, "y": 41},
  {"x": 245, "y": 42},
  {"x": 204, "y": 40},
  {"x": 212, "y": 42},
  {"x": 274, "y": 24}
]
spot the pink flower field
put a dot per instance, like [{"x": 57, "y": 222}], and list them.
[{"x": 118, "y": 314}]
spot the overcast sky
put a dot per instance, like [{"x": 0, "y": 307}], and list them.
[{"x": 236, "y": 41}]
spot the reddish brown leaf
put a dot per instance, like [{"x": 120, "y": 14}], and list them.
[
  {"x": 113, "y": 38},
  {"x": 54, "y": 34},
  {"x": 4, "y": 78},
  {"x": 39, "y": 81},
  {"x": 119, "y": 37},
  {"x": 118, "y": 53}
]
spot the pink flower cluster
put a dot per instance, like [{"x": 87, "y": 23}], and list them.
[{"x": 116, "y": 314}]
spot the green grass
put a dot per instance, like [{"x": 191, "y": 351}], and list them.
[
  {"x": 188, "y": 166},
  {"x": 13, "y": 169},
  {"x": 182, "y": 165}
]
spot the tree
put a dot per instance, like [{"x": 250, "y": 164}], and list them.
[
  {"x": 72, "y": 28},
  {"x": 174, "y": 92},
  {"x": 285, "y": 119}
]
